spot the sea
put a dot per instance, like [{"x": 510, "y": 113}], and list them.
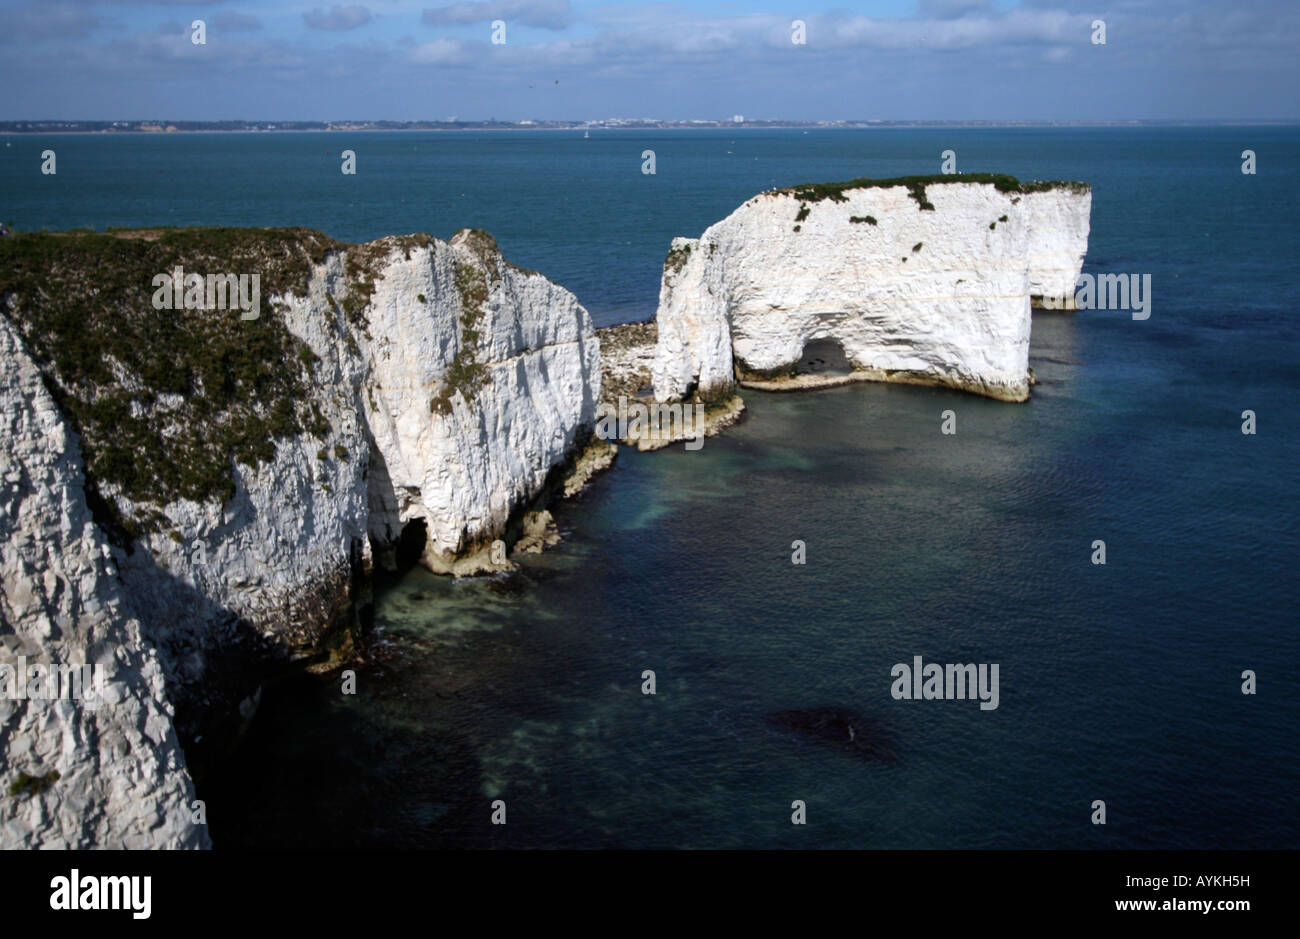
[{"x": 1121, "y": 685}]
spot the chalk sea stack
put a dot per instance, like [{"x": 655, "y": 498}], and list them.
[{"x": 923, "y": 279}]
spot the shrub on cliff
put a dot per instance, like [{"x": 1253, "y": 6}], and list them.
[{"x": 163, "y": 400}]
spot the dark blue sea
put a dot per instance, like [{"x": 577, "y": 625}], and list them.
[{"x": 1119, "y": 683}]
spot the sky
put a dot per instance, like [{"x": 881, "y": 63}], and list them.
[{"x": 596, "y": 59}]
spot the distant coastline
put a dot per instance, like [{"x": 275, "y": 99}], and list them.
[{"x": 280, "y": 127}]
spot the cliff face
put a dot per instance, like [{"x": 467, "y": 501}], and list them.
[
  {"x": 1058, "y": 221},
  {"x": 922, "y": 280},
  {"x": 469, "y": 431},
  {"x": 196, "y": 498},
  {"x": 89, "y": 772},
  {"x": 246, "y": 471}
]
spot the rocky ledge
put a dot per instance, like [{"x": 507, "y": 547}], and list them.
[{"x": 628, "y": 352}]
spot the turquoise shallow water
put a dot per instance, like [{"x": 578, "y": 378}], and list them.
[{"x": 1118, "y": 683}]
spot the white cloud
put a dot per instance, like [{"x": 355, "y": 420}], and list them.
[
  {"x": 441, "y": 52},
  {"x": 337, "y": 18},
  {"x": 545, "y": 14}
]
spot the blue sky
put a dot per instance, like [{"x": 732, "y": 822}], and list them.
[{"x": 586, "y": 59}]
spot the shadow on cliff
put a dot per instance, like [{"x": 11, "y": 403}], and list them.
[{"x": 217, "y": 664}]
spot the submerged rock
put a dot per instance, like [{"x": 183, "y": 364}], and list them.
[{"x": 842, "y": 729}]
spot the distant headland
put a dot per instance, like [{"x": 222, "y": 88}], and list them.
[{"x": 615, "y": 123}]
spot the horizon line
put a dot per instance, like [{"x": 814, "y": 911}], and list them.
[{"x": 609, "y": 123}]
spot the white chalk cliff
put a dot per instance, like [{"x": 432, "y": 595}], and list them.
[
  {"x": 108, "y": 773},
  {"x": 928, "y": 283},
  {"x": 453, "y": 388},
  {"x": 434, "y": 389},
  {"x": 465, "y": 471}
]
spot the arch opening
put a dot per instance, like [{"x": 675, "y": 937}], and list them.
[
  {"x": 410, "y": 545},
  {"x": 823, "y": 357}
]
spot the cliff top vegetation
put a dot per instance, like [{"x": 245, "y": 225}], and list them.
[{"x": 165, "y": 401}]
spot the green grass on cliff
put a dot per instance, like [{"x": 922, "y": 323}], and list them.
[
  {"x": 677, "y": 258},
  {"x": 164, "y": 400},
  {"x": 25, "y": 785},
  {"x": 466, "y": 374},
  {"x": 1043, "y": 185},
  {"x": 808, "y": 193}
]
